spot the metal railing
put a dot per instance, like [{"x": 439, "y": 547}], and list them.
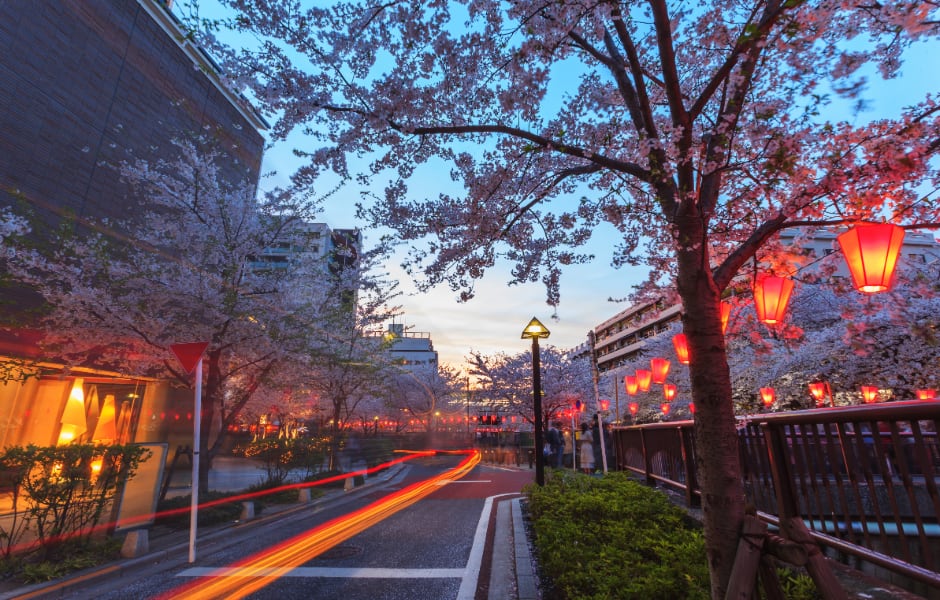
[{"x": 864, "y": 479}]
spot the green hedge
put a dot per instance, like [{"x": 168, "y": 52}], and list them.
[{"x": 612, "y": 537}]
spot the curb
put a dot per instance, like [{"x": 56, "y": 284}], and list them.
[{"x": 526, "y": 583}]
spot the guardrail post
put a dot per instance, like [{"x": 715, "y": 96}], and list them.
[
  {"x": 691, "y": 483},
  {"x": 791, "y": 523},
  {"x": 647, "y": 462}
]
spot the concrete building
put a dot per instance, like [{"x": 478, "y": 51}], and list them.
[
  {"x": 88, "y": 84},
  {"x": 411, "y": 350}
]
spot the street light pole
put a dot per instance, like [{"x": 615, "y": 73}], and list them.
[{"x": 536, "y": 330}]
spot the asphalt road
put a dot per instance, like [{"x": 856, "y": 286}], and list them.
[{"x": 434, "y": 548}]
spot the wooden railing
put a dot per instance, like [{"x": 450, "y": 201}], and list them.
[{"x": 864, "y": 479}]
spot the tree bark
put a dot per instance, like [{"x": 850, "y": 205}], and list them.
[{"x": 716, "y": 442}]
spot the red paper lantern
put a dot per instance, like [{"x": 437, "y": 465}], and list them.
[
  {"x": 871, "y": 251},
  {"x": 660, "y": 369},
  {"x": 768, "y": 395},
  {"x": 643, "y": 379},
  {"x": 869, "y": 394},
  {"x": 664, "y": 407},
  {"x": 633, "y": 407},
  {"x": 692, "y": 407},
  {"x": 771, "y": 295},
  {"x": 725, "y": 315},
  {"x": 819, "y": 390},
  {"x": 631, "y": 384},
  {"x": 669, "y": 391},
  {"x": 681, "y": 344},
  {"x": 604, "y": 405},
  {"x": 927, "y": 394}
]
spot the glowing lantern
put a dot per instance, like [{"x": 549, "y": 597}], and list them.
[
  {"x": 631, "y": 384},
  {"x": 926, "y": 394},
  {"x": 692, "y": 407},
  {"x": 771, "y": 295},
  {"x": 96, "y": 466},
  {"x": 869, "y": 393},
  {"x": 604, "y": 405},
  {"x": 665, "y": 408},
  {"x": 660, "y": 369},
  {"x": 669, "y": 391},
  {"x": 871, "y": 251},
  {"x": 681, "y": 344},
  {"x": 725, "y": 315},
  {"x": 768, "y": 396},
  {"x": 633, "y": 407},
  {"x": 643, "y": 379},
  {"x": 819, "y": 391}
]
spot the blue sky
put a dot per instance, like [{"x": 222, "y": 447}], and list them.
[{"x": 492, "y": 321}]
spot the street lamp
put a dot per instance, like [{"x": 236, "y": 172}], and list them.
[{"x": 536, "y": 330}]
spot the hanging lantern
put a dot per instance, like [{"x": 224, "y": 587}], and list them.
[
  {"x": 631, "y": 384},
  {"x": 771, "y": 295},
  {"x": 692, "y": 407},
  {"x": 725, "y": 316},
  {"x": 819, "y": 390},
  {"x": 665, "y": 408},
  {"x": 926, "y": 394},
  {"x": 767, "y": 395},
  {"x": 643, "y": 379},
  {"x": 871, "y": 251},
  {"x": 633, "y": 407},
  {"x": 869, "y": 394},
  {"x": 669, "y": 391},
  {"x": 660, "y": 369},
  {"x": 604, "y": 405},
  {"x": 681, "y": 344}
]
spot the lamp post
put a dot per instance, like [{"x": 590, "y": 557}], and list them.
[{"x": 536, "y": 330}]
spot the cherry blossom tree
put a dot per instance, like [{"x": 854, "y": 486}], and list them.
[
  {"x": 697, "y": 131},
  {"x": 506, "y": 381},
  {"x": 419, "y": 392},
  {"x": 182, "y": 270}
]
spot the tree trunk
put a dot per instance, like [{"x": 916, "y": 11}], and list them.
[{"x": 716, "y": 442}]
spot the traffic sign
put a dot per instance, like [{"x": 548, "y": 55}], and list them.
[{"x": 189, "y": 354}]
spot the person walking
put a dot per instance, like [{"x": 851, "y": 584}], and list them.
[
  {"x": 556, "y": 444},
  {"x": 587, "y": 449}
]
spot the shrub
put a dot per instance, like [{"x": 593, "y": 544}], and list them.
[
  {"x": 60, "y": 493},
  {"x": 612, "y": 537},
  {"x": 281, "y": 456}
]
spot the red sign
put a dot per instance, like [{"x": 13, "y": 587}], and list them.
[{"x": 189, "y": 354}]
